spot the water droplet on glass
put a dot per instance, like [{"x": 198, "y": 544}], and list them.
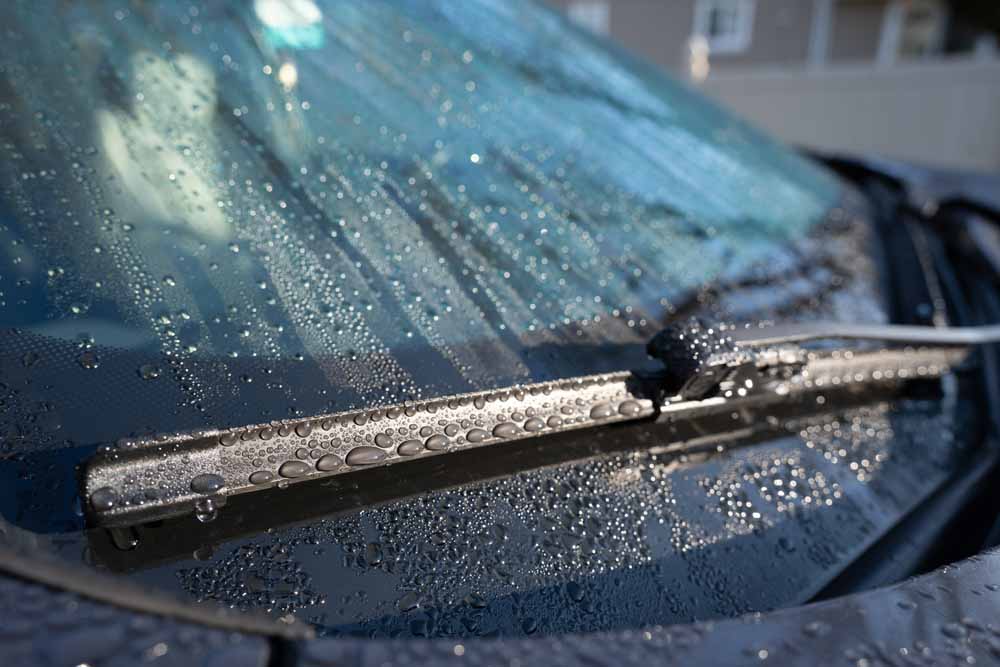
[
  {"x": 408, "y": 602},
  {"x": 88, "y": 360}
]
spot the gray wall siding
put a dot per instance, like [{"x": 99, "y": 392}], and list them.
[
  {"x": 658, "y": 30},
  {"x": 780, "y": 34},
  {"x": 940, "y": 113},
  {"x": 857, "y": 27}
]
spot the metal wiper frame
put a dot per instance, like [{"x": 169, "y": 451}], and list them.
[{"x": 707, "y": 371}]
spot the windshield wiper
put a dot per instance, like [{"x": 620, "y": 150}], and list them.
[{"x": 742, "y": 374}]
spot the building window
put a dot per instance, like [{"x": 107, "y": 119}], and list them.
[
  {"x": 593, "y": 15},
  {"x": 911, "y": 29},
  {"x": 725, "y": 25}
]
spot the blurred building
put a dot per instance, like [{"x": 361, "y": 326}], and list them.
[{"x": 915, "y": 79}]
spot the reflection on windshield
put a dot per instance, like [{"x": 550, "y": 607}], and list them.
[{"x": 292, "y": 206}]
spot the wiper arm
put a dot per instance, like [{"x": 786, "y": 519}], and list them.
[
  {"x": 886, "y": 333},
  {"x": 707, "y": 370}
]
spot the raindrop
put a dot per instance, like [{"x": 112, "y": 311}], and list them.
[
  {"x": 261, "y": 477},
  {"x": 602, "y": 411},
  {"x": 534, "y": 424},
  {"x": 362, "y": 456},
  {"x": 816, "y": 629},
  {"x": 207, "y": 483},
  {"x": 436, "y": 443},
  {"x": 88, "y": 360},
  {"x": 104, "y": 498},
  {"x": 383, "y": 441},
  {"x": 629, "y": 408},
  {"x": 328, "y": 462},
  {"x": 409, "y": 448},
  {"x": 505, "y": 430},
  {"x": 408, "y": 602},
  {"x": 476, "y": 435},
  {"x": 293, "y": 469},
  {"x": 149, "y": 371},
  {"x": 205, "y": 510}
]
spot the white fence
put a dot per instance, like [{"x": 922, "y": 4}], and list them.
[{"x": 944, "y": 113}]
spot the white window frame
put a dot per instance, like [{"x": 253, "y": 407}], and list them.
[
  {"x": 594, "y": 15},
  {"x": 893, "y": 26},
  {"x": 741, "y": 38}
]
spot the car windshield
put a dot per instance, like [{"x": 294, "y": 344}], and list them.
[{"x": 219, "y": 213}]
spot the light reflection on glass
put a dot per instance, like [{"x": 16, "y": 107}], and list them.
[
  {"x": 288, "y": 75},
  {"x": 698, "y": 64}
]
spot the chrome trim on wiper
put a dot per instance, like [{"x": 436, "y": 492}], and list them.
[{"x": 145, "y": 480}]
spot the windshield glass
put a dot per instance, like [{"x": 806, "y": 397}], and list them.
[
  {"x": 219, "y": 213},
  {"x": 407, "y": 196}
]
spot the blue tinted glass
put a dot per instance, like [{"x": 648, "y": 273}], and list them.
[{"x": 288, "y": 206}]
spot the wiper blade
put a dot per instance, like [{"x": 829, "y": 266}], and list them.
[{"x": 707, "y": 370}]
